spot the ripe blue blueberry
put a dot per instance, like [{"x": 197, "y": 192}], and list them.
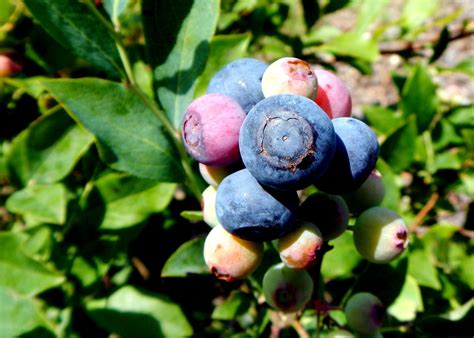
[
  {"x": 287, "y": 141},
  {"x": 252, "y": 212},
  {"x": 241, "y": 80},
  {"x": 357, "y": 150}
]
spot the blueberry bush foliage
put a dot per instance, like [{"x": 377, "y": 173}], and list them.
[{"x": 100, "y": 225}]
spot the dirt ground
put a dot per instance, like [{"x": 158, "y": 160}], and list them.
[{"x": 378, "y": 88}]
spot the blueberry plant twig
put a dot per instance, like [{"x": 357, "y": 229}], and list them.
[
  {"x": 349, "y": 292},
  {"x": 315, "y": 273},
  {"x": 193, "y": 183}
]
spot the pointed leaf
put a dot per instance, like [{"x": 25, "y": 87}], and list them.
[
  {"x": 43, "y": 203},
  {"x": 419, "y": 97},
  {"x": 392, "y": 196},
  {"x": 353, "y": 45},
  {"x": 421, "y": 265},
  {"x": 48, "y": 150},
  {"x": 398, "y": 150},
  {"x": 382, "y": 119},
  {"x": 73, "y": 25},
  {"x": 416, "y": 12},
  {"x": 342, "y": 259},
  {"x": 236, "y": 304},
  {"x": 129, "y": 136},
  {"x": 21, "y": 273},
  {"x": 370, "y": 10},
  {"x": 408, "y": 302},
  {"x": 177, "y": 35},
  {"x": 188, "y": 258},
  {"x": 18, "y": 314},
  {"x": 131, "y": 312},
  {"x": 223, "y": 49},
  {"x": 130, "y": 200}
]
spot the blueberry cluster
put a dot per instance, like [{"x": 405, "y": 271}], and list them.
[{"x": 263, "y": 134}]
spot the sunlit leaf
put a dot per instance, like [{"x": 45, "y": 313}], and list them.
[
  {"x": 131, "y": 312},
  {"x": 177, "y": 35}
]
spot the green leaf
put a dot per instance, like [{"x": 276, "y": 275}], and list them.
[
  {"x": 465, "y": 66},
  {"x": 29, "y": 84},
  {"x": 353, "y": 45},
  {"x": 445, "y": 134},
  {"x": 129, "y": 136},
  {"x": 235, "y": 305},
  {"x": 114, "y": 8},
  {"x": 392, "y": 196},
  {"x": 462, "y": 116},
  {"x": 419, "y": 97},
  {"x": 384, "y": 120},
  {"x": 20, "y": 273},
  {"x": 408, "y": 302},
  {"x": 19, "y": 314},
  {"x": 48, "y": 150},
  {"x": 43, "y": 203},
  {"x": 192, "y": 215},
  {"x": 342, "y": 259},
  {"x": 177, "y": 37},
  {"x": 416, "y": 12},
  {"x": 447, "y": 160},
  {"x": 421, "y": 266},
  {"x": 6, "y": 9},
  {"x": 131, "y": 312},
  {"x": 398, "y": 150},
  {"x": 465, "y": 271},
  {"x": 223, "y": 49},
  {"x": 130, "y": 200},
  {"x": 73, "y": 25},
  {"x": 370, "y": 10},
  {"x": 188, "y": 258}
]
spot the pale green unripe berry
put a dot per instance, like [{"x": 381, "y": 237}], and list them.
[
  {"x": 208, "y": 204},
  {"x": 369, "y": 194},
  {"x": 380, "y": 235},
  {"x": 286, "y": 289},
  {"x": 364, "y": 313}
]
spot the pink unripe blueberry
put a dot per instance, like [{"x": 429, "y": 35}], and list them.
[
  {"x": 370, "y": 194},
  {"x": 328, "y": 212},
  {"x": 8, "y": 66},
  {"x": 229, "y": 257},
  {"x": 333, "y": 96},
  {"x": 289, "y": 75},
  {"x": 299, "y": 249},
  {"x": 364, "y": 313},
  {"x": 211, "y": 128},
  {"x": 208, "y": 204},
  {"x": 286, "y": 289},
  {"x": 380, "y": 235}
]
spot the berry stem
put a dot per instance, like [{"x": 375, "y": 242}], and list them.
[
  {"x": 315, "y": 273},
  {"x": 349, "y": 292}
]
